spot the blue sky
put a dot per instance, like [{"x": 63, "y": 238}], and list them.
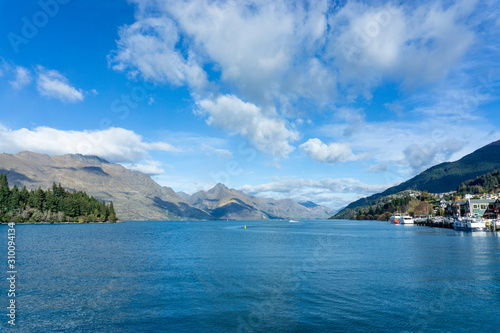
[{"x": 326, "y": 101}]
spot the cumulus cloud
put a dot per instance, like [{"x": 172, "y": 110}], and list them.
[
  {"x": 52, "y": 84},
  {"x": 22, "y": 77},
  {"x": 278, "y": 56},
  {"x": 406, "y": 44},
  {"x": 332, "y": 153},
  {"x": 333, "y": 193},
  {"x": 113, "y": 144},
  {"x": 274, "y": 49},
  {"x": 267, "y": 132},
  {"x": 253, "y": 45},
  {"x": 148, "y": 47}
]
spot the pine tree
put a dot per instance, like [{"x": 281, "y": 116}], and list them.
[
  {"x": 104, "y": 212},
  {"x": 39, "y": 199},
  {"x": 4, "y": 190},
  {"x": 112, "y": 214},
  {"x": 15, "y": 198},
  {"x": 25, "y": 195}
]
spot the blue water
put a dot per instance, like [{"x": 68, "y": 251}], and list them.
[{"x": 273, "y": 276}]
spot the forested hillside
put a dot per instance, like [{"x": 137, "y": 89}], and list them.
[
  {"x": 487, "y": 183},
  {"x": 53, "y": 205}
]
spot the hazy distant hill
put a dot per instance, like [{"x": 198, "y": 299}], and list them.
[
  {"x": 443, "y": 177},
  {"x": 137, "y": 196},
  {"x": 224, "y": 203}
]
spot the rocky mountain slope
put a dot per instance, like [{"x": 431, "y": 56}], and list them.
[
  {"x": 137, "y": 196},
  {"x": 134, "y": 194}
]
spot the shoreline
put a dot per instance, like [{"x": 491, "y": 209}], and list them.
[{"x": 32, "y": 223}]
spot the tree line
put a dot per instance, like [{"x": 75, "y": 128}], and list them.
[
  {"x": 486, "y": 183},
  {"x": 56, "y": 204},
  {"x": 382, "y": 211}
]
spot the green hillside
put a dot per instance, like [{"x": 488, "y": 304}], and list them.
[
  {"x": 443, "y": 177},
  {"x": 487, "y": 183}
]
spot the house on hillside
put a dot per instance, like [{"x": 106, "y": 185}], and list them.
[
  {"x": 487, "y": 208},
  {"x": 458, "y": 208}
]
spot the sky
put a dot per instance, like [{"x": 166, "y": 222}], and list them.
[{"x": 327, "y": 101}]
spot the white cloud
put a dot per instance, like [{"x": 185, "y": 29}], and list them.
[
  {"x": 256, "y": 44},
  {"x": 415, "y": 143},
  {"x": 332, "y": 153},
  {"x": 113, "y": 144},
  {"x": 333, "y": 193},
  {"x": 274, "y": 50},
  {"x": 274, "y": 59},
  {"x": 148, "y": 47},
  {"x": 150, "y": 167},
  {"x": 409, "y": 45},
  {"x": 52, "y": 84},
  {"x": 22, "y": 77},
  {"x": 267, "y": 132}
]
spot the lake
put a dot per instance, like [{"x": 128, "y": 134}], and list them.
[{"x": 272, "y": 276}]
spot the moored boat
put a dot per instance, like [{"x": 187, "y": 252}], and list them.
[
  {"x": 470, "y": 223},
  {"x": 407, "y": 219},
  {"x": 396, "y": 218}
]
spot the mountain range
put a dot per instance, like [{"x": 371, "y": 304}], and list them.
[
  {"x": 444, "y": 177},
  {"x": 136, "y": 196}
]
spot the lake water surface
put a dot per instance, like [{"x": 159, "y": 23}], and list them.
[{"x": 272, "y": 276}]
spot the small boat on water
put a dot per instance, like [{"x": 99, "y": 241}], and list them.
[
  {"x": 396, "y": 218},
  {"x": 407, "y": 219},
  {"x": 470, "y": 223},
  {"x": 399, "y": 218},
  {"x": 293, "y": 221}
]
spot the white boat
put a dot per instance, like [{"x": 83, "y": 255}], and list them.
[
  {"x": 470, "y": 223},
  {"x": 407, "y": 219},
  {"x": 396, "y": 218},
  {"x": 293, "y": 221}
]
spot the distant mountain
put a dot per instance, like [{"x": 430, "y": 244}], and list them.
[
  {"x": 134, "y": 194},
  {"x": 224, "y": 203},
  {"x": 441, "y": 178},
  {"x": 183, "y": 195},
  {"x": 138, "y": 197}
]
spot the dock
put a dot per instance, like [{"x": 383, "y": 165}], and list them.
[
  {"x": 491, "y": 225},
  {"x": 435, "y": 223}
]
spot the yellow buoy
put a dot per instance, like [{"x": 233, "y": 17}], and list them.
[{"x": 245, "y": 227}]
